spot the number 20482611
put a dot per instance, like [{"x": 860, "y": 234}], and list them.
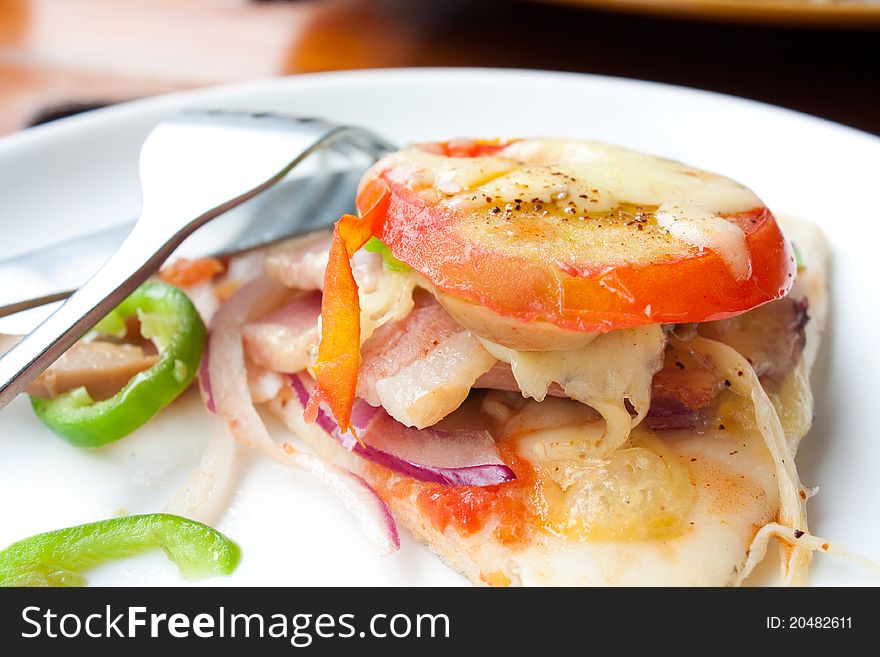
[{"x": 809, "y": 622}]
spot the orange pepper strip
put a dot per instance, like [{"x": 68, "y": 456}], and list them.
[
  {"x": 184, "y": 272},
  {"x": 336, "y": 369}
]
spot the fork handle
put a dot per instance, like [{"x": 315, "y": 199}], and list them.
[{"x": 141, "y": 254}]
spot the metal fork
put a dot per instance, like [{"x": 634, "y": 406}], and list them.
[{"x": 193, "y": 168}]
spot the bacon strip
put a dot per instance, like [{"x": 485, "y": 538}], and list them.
[
  {"x": 283, "y": 341},
  {"x": 397, "y": 344},
  {"x": 771, "y": 337},
  {"x": 421, "y": 368},
  {"x": 674, "y": 392},
  {"x": 301, "y": 266}
]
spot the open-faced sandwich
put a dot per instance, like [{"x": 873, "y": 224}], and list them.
[
  {"x": 559, "y": 362},
  {"x": 555, "y": 362}
]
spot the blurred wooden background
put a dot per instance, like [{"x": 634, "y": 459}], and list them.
[{"x": 61, "y": 53}]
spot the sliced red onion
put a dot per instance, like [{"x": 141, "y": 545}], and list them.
[
  {"x": 323, "y": 420},
  {"x": 373, "y": 514},
  {"x": 227, "y": 382},
  {"x": 361, "y": 416},
  {"x": 453, "y": 458}
]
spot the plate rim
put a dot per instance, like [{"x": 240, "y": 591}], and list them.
[{"x": 172, "y": 99}]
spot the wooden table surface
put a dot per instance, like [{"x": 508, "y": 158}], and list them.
[{"x": 61, "y": 52}]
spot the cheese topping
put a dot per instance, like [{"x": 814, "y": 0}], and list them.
[
  {"x": 543, "y": 198},
  {"x": 595, "y": 177},
  {"x": 420, "y": 170},
  {"x": 611, "y": 368},
  {"x": 611, "y": 175},
  {"x": 792, "y": 496},
  {"x": 640, "y": 490},
  {"x": 798, "y": 539},
  {"x": 384, "y": 296},
  {"x": 695, "y": 225}
]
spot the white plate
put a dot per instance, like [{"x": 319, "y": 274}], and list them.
[{"x": 79, "y": 174}]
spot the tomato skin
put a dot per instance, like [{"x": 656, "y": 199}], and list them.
[
  {"x": 696, "y": 288},
  {"x": 421, "y": 234}
]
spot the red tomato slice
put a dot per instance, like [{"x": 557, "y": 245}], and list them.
[
  {"x": 465, "y": 147},
  {"x": 533, "y": 277}
]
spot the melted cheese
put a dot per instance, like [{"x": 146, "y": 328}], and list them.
[
  {"x": 792, "y": 496},
  {"x": 641, "y": 490},
  {"x": 581, "y": 203},
  {"x": 609, "y": 176},
  {"x": 611, "y": 368},
  {"x": 595, "y": 177},
  {"x": 418, "y": 169},
  {"x": 801, "y": 540},
  {"x": 384, "y": 296},
  {"x": 694, "y": 224},
  {"x": 556, "y": 429}
]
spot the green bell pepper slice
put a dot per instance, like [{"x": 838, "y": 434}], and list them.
[
  {"x": 57, "y": 558},
  {"x": 170, "y": 320},
  {"x": 798, "y": 257},
  {"x": 375, "y": 245}
]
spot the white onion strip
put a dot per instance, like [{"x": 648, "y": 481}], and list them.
[
  {"x": 792, "y": 504},
  {"x": 228, "y": 385},
  {"x": 203, "y": 496},
  {"x": 795, "y": 538}
]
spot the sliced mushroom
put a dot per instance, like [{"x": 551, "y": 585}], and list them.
[{"x": 102, "y": 367}]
